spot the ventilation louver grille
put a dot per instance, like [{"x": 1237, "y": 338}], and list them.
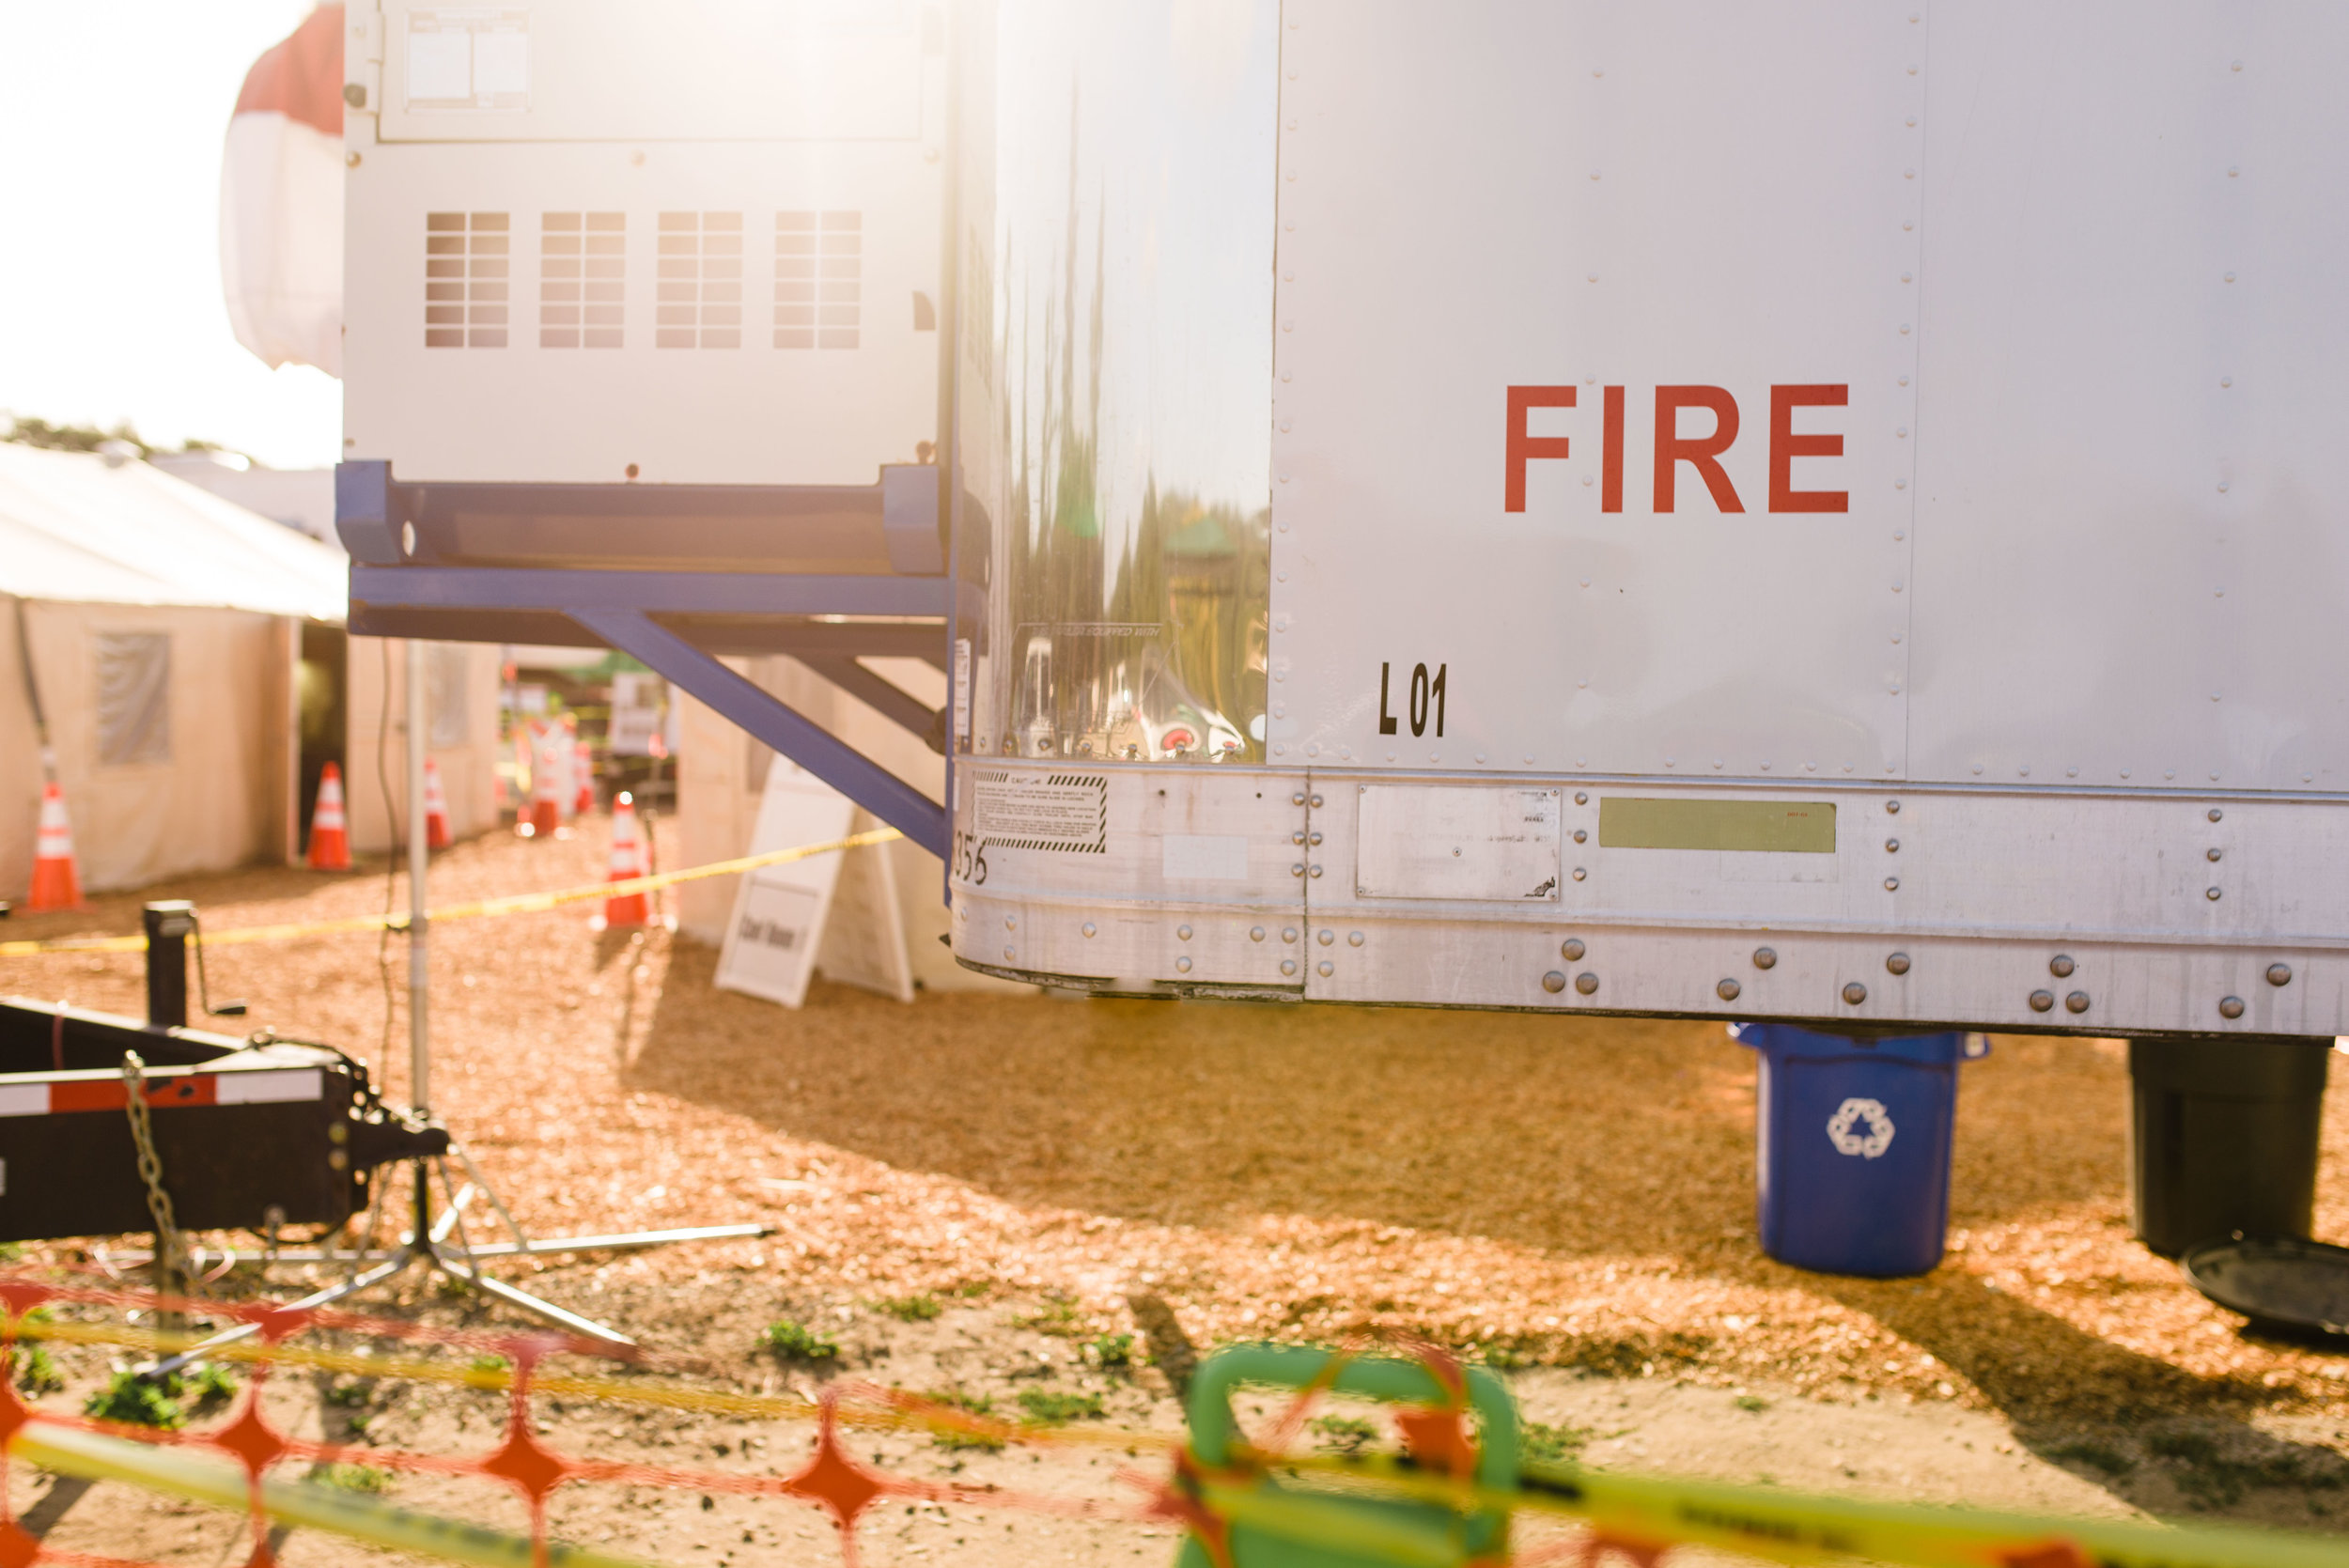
[
  {"x": 819, "y": 261},
  {"x": 583, "y": 273},
  {"x": 701, "y": 281},
  {"x": 466, "y": 279}
]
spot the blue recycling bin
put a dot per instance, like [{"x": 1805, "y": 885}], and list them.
[{"x": 1852, "y": 1146}]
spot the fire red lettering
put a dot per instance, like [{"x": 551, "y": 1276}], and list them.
[
  {"x": 1524, "y": 448},
  {"x": 1785, "y": 446},
  {"x": 1610, "y": 450},
  {"x": 1703, "y": 452}
]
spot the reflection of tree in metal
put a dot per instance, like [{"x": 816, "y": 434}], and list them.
[{"x": 1135, "y": 599}]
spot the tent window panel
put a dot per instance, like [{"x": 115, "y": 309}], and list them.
[
  {"x": 133, "y": 698},
  {"x": 444, "y": 689}
]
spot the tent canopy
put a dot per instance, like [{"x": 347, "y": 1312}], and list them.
[{"x": 80, "y": 528}]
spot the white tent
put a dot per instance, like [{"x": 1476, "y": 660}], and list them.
[{"x": 161, "y": 630}]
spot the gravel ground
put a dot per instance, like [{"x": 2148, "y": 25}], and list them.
[{"x": 1574, "y": 1196}]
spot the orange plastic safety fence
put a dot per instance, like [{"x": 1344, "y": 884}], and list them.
[{"x": 832, "y": 1478}]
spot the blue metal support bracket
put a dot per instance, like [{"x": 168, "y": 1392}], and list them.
[
  {"x": 847, "y": 770},
  {"x": 658, "y": 592}
]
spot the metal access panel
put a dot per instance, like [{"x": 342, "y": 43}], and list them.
[
  {"x": 1868, "y": 468},
  {"x": 692, "y": 243}
]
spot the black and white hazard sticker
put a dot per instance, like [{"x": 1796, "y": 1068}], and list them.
[{"x": 1065, "y": 812}]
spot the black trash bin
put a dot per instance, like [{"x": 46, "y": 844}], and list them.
[{"x": 2223, "y": 1137}]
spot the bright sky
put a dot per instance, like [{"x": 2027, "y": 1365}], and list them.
[{"x": 110, "y": 296}]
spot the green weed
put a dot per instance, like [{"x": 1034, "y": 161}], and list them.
[
  {"x": 976, "y": 1405},
  {"x": 1344, "y": 1434},
  {"x": 1111, "y": 1352},
  {"x": 354, "y": 1478},
  {"x": 36, "y": 1371},
  {"x": 1058, "y": 1315},
  {"x": 1753, "y": 1403},
  {"x": 912, "y": 1309},
  {"x": 1051, "y": 1407},
  {"x": 799, "y": 1342},
  {"x": 132, "y": 1400},
  {"x": 1545, "y": 1443}
]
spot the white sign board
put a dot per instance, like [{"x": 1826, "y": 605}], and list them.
[{"x": 779, "y": 911}]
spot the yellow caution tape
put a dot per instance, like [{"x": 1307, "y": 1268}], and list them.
[
  {"x": 1648, "y": 1511},
  {"x": 517, "y": 904},
  {"x": 94, "y": 1456}
]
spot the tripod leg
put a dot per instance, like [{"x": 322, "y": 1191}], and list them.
[
  {"x": 473, "y": 1173},
  {"x": 375, "y": 1276},
  {"x": 499, "y": 1290}
]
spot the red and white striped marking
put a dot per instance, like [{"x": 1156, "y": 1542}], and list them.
[{"x": 56, "y": 1097}]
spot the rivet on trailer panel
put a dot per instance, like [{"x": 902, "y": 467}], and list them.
[
  {"x": 2076, "y": 1003},
  {"x": 2211, "y": 894},
  {"x": 2279, "y": 974},
  {"x": 2212, "y": 853},
  {"x": 1571, "y": 948},
  {"x": 1586, "y": 983},
  {"x": 1765, "y": 957},
  {"x": 1326, "y": 968},
  {"x": 1182, "y": 933},
  {"x": 1088, "y": 928},
  {"x": 1553, "y": 981},
  {"x": 2230, "y": 1007},
  {"x": 2060, "y": 966},
  {"x": 1288, "y": 966},
  {"x": 2216, "y": 814},
  {"x": 1353, "y": 939},
  {"x": 1893, "y": 807},
  {"x": 1892, "y": 884},
  {"x": 2041, "y": 1001},
  {"x": 1855, "y": 993},
  {"x": 1182, "y": 965},
  {"x": 1896, "y": 963},
  {"x": 1255, "y": 933},
  {"x": 1579, "y": 873},
  {"x": 1288, "y": 933},
  {"x": 1892, "y": 846},
  {"x": 1326, "y": 937},
  {"x": 1727, "y": 990}
]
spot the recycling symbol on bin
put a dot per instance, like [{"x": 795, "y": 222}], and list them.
[{"x": 1843, "y": 1128}]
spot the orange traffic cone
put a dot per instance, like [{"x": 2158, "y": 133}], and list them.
[
  {"x": 628, "y": 860},
  {"x": 546, "y": 800},
  {"x": 57, "y": 884},
  {"x": 330, "y": 836},
  {"x": 435, "y": 808},
  {"x": 583, "y": 770}
]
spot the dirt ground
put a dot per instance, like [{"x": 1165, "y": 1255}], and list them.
[{"x": 1569, "y": 1198}]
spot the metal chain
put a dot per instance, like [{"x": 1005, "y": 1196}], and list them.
[{"x": 169, "y": 1252}]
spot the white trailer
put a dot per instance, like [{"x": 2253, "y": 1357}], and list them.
[
  {"x": 1756, "y": 511},
  {"x": 1812, "y": 511}
]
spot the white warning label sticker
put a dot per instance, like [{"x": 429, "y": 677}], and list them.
[{"x": 1068, "y": 811}]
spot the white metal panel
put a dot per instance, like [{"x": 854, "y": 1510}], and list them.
[
  {"x": 2129, "y": 536},
  {"x": 1720, "y": 196},
  {"x": 753, "y": 414},
  {"x": 1456, "y": 841},
  {"x": 680, "y": 71},
  {"x": 1119, "y": 908}
]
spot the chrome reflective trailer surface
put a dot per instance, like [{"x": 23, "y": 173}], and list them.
[{"x": 1115, "y": 371}]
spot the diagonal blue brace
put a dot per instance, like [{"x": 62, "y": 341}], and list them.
[{"x": 811, "y": 746}]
